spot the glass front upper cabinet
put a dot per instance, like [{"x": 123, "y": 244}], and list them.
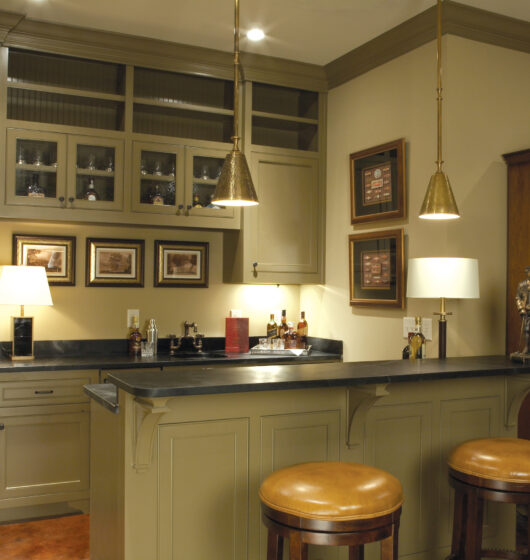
[{"x": 36, "y": 168}]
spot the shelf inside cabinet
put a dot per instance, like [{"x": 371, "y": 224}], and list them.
[
  {"x": 152, "y": 177},
  {"x": 36, "y": 168},
  {"x": 285, "y": 101},
  {"x": 33, "y": 68},
  {"x": 94, "y": 172},
  {"x": 172, "y": 88},
  {"x": 289, "y": 134},
  {"x": 181, "y": 123}
]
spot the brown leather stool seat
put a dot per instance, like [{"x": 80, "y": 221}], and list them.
[
  {"x": 331, "y": 503},
  {"x": 495, "y": 469}
]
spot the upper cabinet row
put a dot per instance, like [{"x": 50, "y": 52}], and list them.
[{"x": 97, "y": 141}]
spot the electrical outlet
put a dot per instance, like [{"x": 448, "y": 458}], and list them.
[
  {"x": 130, "y": 314},
  {"x": 426, "y": 326}
]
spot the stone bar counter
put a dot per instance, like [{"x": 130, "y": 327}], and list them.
[{"x": 178, "y": 453}]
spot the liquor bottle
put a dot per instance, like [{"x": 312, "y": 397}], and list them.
[
  {"x": 91, "y": 193},
  {"x": 416, "y": 341},
  {"x": 34, "y": 190},
  {"x": 290, "y": 338},
  {"x": 157, "y": 198},
  {"x": 301, "y": 331},
  {"x": 272, "y": 328},
  {"x": 196, "y": 201},
  {"x": 135, "y": 338},
  {"x": 283, "y": 327}
]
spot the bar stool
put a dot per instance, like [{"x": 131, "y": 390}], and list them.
[
  {"x": 495, "y": 469},
  {"x": 331, "y": 503}
]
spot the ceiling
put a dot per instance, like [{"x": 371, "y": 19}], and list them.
[{"x": 314, "y": 31}]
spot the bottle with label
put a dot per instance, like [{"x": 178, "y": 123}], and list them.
[
  {"x": 272, "y": 328},
  {"x": 301, "y": 331},
  {"x": 196, "y": 201},
  {"x": 91, "y": 193},
  {"x": 290, "y": 339},
  {"x": 157, "y": 198},
  {"x": 34, "y": 190},
  {"x": 417, "y": 341},
  {"x": 283, "y": 327},
  {"x": 135, "y": 338}
]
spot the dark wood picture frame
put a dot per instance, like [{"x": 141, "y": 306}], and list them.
[
  {"x": 114, "y": 263},
  {"x": 181, "y": 264},
  {"x": 377, "y": 183},
  {"x": 56, "y": 253},
  {"x": 377, "y": 268}
]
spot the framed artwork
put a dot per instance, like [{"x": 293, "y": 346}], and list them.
[
  {"x": 181, "y": 264},
  {"x": 115, "y": 263},
  {"x": 55, "y": 253},
  {"x": 377, "y": 180},
  {"x": 376, "y": 268}
]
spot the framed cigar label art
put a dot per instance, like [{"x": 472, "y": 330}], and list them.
[
  {"x": 377, "y": 180},
  {"x": 55, "y": 253},
  {"x": 181, "y": 264},
  {"x": 115, "y": 263},
  {"x": 376, "y": 268}
]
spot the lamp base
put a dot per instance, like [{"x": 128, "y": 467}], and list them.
[
  {"x": 22, "y": 333},
  {"x": 442, "y": 338}
]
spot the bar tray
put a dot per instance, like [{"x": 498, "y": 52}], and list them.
[{"x": 282, "y": 352}]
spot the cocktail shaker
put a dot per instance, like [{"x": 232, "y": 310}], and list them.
[{"x": 152, "y": 335}]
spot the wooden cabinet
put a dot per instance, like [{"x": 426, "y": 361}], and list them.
[{"x": 44, "y": 441}]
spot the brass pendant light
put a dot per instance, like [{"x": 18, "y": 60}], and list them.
[
  {"x": 439, "y": 202},
  {"x": 235, "y": 187}
]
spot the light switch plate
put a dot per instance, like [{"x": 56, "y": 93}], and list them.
[
  {"x": 130, "y": 314},
  {"x": 426, "y": 326}
]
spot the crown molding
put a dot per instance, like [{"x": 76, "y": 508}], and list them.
[
  {"x": 153, "y": 53},
  {"x": 457, "y": 19}
]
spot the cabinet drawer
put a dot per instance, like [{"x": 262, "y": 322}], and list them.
[{"x": 44, "y": 391}]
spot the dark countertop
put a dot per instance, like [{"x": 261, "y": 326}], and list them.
[
  {"x": 202, "y": 379},
  {"x": 123, "y": 361}
]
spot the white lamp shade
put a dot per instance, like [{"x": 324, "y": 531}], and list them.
[
  {"x": 24, "y": 285},
  {"x": 442, "y": 277}
]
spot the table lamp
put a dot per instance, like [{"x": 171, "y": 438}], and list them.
[
  {"x": 23, "y": 285},
  {"x": 442, "y": 278}
]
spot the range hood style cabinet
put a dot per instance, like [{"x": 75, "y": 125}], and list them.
[{"x": 151, "y": 143}]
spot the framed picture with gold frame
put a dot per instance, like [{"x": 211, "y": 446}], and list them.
[
  {"x": 376, "y": 268},
  {"x": 181, "y": 264},
  {"x": 377, "y": 181},
  {"x": 115, "y": 263},
  {"x": 55, "y": 253}
]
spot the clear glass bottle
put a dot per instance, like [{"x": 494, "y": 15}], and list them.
[
  {"x": 34, "y": 190},
  {"x": 157, "y": 198},
  {"x": 272, "y": 327},
  {"x": 301, "y": 331},
  {"x": 91, "y": 193},
  {"x": 290, "y": 337}
]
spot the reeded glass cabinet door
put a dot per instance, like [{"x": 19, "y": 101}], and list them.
[
  {"x": 95, "y": 173},
  {"x": 203, "y": 167},
  {"x": 157, "y": 178},
  {"x": 36, "y": 165}
]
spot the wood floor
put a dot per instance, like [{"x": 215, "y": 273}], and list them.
[{"x": 60, "y": 538}]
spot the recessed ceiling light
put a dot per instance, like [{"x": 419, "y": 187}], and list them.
[{"x": 255, "y": 34}]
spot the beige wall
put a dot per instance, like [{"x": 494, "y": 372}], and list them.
[
  {"x": 486, "y": 113},
  {"x": 90, "y": 313}
]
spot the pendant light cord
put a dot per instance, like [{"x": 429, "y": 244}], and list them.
[
  {"x": 439, "y": 88},
  {"x": 235, "y": 137}
]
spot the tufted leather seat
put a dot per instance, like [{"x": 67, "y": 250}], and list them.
[
  {"x": 328, "y": 502},
  {"x": 495, "y": 469}
]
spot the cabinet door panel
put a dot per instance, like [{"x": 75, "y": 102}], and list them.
[
  {"x": 44, "y": 454},
  {"x": 288, "y": 439},
  {"x": 285, "y": 226},
  {"x": 203, "y": 490}
]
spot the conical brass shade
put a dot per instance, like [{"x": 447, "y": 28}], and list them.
[
  {"x": 235, "y": 187},
  {"x": 439, "y": 202}
]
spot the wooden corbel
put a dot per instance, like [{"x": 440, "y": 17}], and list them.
[
  {"x": 517, "y": 387},
  {"x": 359, "y": 402},
  {"x": 147, "y": 414}
]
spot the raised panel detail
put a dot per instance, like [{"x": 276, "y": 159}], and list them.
[
  {"x": 394, "y": 431},
  {"x": 203, "y": 490}
]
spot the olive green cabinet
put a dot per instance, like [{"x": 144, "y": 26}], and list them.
[{"x": 44, "y": 441}]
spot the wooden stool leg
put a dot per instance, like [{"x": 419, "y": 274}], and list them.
[
  {"x": 475, "y": 508},
  {"x": 457, "y": 546},
  {"x": 297, "y": 548},
  {"x": 274, "y": 546},
  {"x": 356, "y": 552}
]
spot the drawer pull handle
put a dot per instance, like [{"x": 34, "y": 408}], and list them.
[
  {"x": 2, "y": 426},
  {"x": 44, "y": 392}
]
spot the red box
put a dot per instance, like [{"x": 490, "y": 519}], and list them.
[{"x": 236, "y": 337}]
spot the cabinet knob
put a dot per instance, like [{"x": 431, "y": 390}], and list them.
[
  {"x": 44, "y": 392},
  {"x": 71, "y": 199},
  {"x": 2, "y": 426},
  {"x": 180, "y": 207},
  {"x": 255, "y": 271},
  {"x": 188, "y": 208}
]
